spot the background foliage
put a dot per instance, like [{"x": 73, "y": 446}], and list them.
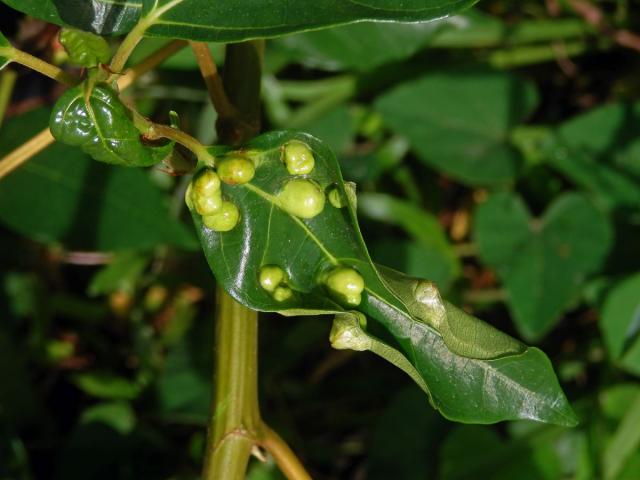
[{"x": 495, "y": 152}]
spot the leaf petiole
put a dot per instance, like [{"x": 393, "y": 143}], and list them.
[{"x": 40, "y": 66}]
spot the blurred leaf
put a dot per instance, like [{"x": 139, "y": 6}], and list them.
[
  {"x": 419, "y": 224},
  {"x": 460, "y": 123},
  {"x": 624, "y": 443},
  {"x": 107, "y": 385},
  {"x": 620, "y": 324},
  {"x": 405, "y": 453},
  {"x": 335, "y": 128},
  {"x": 18, "y": 398},
  {"x": 117, "y": 415},
  {"x": 600, "y": 151},
  {"x": 85, "y": 49},
  {"x": 518, "y": 384},
  {"x": 478, "y": 452},
  {"x": 121, "y": 274},
  {"x": 94, "y": 118},
  {"x": 265, "y": 471},
  {"x": 4, "y": 56},
  {"x": 615, "y": 400},
  {"x": 61, "y": 195},
  {"x": 542, "y": 262}
]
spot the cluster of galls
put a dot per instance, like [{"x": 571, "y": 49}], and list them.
[{"x": 204, "y": 195}]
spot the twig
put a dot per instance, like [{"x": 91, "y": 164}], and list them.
[
  {"x": 595, "y": 16},
  {"x": 7, "y": 82},
  {"x": 40, "y": 66},
  {"x": 212, "y": 80},
  {"x": 43, "y": 139},
  {"x": 286, "y": 460}
]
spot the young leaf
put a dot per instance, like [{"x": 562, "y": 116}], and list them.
[
  {"x": 542, "y": 262},
  {"x": 447, "y": 121},
  {"x": 84, "y": 48},
  {"x": 97, "y": 121},
  {"x": 5, "y": 47},
  {"x": 278, "y": 258}
]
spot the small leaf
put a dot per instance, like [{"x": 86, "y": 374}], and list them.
[
  {"x": 97, "y": 121},
  {"x": 107, "y": 385},
  {"x": 300, "y": 254},
  {"x": 117, "y": 415},
  {"x": 84, "y": 48},
  {"x": 61, "y": 195},
  {"x": 620, "y": 324},
  {"x": 450, "y": 126},
  {"x": 5, "y": 50},
  {"x": 543, "y": 262}
]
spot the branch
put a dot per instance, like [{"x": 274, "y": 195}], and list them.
[
  {"x": 212, "y": 80},
  {"x": 595, "y": 16},
  {"x": 286, "y": 460}
]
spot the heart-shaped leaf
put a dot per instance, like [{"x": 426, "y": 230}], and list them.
[
  {"x": 473, "y": 372},
  {"x": 542, "y": 262},
  {"x": 620, "y": 324},
  {"x": 95, "y": 119},
  {"x": 231, "y": 20},
  {"x": 460, "y": 124},
  {"x": 5, "y": 47}
]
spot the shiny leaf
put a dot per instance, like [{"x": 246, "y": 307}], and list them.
[
  {"x": 518, "y": 384},
  {"x": 84, "y": 48},
  {"x": 232, "y": 20},
  {"x": 542, "y": 262},
  {"x": 97, "y": 121},
  {"x": 460, "y": 124}
]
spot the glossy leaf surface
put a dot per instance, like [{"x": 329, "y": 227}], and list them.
[
  {"x": 233, "y": 20},
  {"x": 62, "y": 196},
  {"x": 460, "y": 123},
  {"x": 542, "y": 262},
  {"x": 4, "y": 57},
  {"x": 100, "y": 124},
  {"x": 518, "y": 384}
]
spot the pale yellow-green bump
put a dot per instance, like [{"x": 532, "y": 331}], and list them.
[
  {"x": 207, "y": 204},
  {"x": 282, "y": 294},
  {"x": 298, "y": 158},
  {"x": 302, "y": 198},
  {"x": 336, "y": 199},
  {"x": 206, "y": 183},
  {"x": 188, "y": 197},
  {"x": 236, "y": 170},
  {"x": 346, "y": 284},
  {"x": 271, "y": 276},
  {"x": 224, "y": 220}
]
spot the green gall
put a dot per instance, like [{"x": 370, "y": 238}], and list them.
[
  {"x": 271, "y": 276},
  {"x": 207, "y": 204},
  {"x": 301, "y": 198},
  {"x": 224, "y": 220},
  {"x": 188, "y": 197},
  {"x": 336, "y": 199},
  {"x": 206, "y": 183},
  {"x": 298, "y": 158},
  {"x": 236, "y": 170},
  {"x": 346, "y": 284},
  {"x": 347, "y": 333},
  {"x": 282, "y": 294}
]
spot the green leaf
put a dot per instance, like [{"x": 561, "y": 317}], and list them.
[
  {"x": 84, "y": 48},
  {"x": 600, "y": 151},
  {"x": 61, "y": 195},
  {"x": 119, "y": 275},
  {"x": 104, "y": 17},
  {"x": 419, "y": 224},
  {"x": 518, "y": 384},
  {"x": 460, "y": 123},
  {"x": 5, "y": 46},
  {"x": 542, "y": 262},
  {"x": 95, "y": 119},
  {"x": 107, "y": 385},
  {"x": 620, "y": 324},
  {"x": 117, "y": 415},
  {"x": 624, "y": 443}
]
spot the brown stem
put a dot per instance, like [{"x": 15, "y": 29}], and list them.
[
  {"x": 212, "y": 80},
  {"x": 286, "y": 460},
  {"x": 593, "y": 15}
]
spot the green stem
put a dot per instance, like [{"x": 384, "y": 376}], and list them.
[
  {"x": 40, "y": 66},
  {"x": 7, "y": 82}
]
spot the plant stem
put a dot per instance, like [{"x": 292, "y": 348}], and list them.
[
  {"x": 7, "y": 82},
  {"x": 43, "y": 139},
  {"x": 212, "y": 80},
  {"x": 157, "y": 131},
  {"x": 40, "y": 66},
  {"x": 286, "y": 460}
]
